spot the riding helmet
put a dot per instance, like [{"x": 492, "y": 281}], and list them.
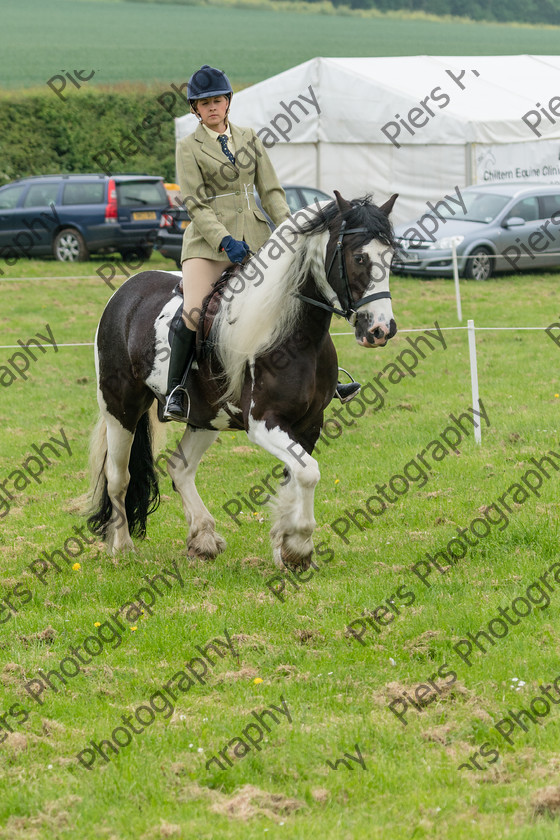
[{"x": 208, "y": 81}]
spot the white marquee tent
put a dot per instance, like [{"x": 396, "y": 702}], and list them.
[{"x": 416, "y": 125}]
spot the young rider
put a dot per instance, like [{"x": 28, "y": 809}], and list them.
[{"x": 219, "y": 166}]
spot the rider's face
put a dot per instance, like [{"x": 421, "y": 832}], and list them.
[{"x": 213, "y": 112}]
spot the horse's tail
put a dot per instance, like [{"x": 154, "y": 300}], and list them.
[{"x": 142, "y": 495}]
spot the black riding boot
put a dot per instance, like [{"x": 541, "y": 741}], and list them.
[
  {"x": 345, "y": 393},
  {"x": 182, "y": 353}
]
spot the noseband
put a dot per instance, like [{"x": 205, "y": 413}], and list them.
[{"x": 350, "y": 306}]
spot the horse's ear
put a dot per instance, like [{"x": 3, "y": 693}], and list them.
[
  {"x": 388, "y": 206},
  {"x": 343, "y": 205}
]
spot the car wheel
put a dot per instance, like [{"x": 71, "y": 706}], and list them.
[
  {"x": 480, "y": 265},
  {"x": 69, "y": 246}
]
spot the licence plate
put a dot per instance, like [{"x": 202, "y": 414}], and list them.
[
  {"x": 140, "y": 216},
  {"x": 184, "y": 224}
]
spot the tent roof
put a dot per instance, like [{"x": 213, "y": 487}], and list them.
[{"x": 358, "y": 96}]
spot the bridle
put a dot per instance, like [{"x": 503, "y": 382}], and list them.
[{"x": 350, "y": 306}]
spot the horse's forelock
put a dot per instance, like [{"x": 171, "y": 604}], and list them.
[{"x": 364, "y": 214}]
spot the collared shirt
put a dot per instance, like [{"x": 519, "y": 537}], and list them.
[{"x": 215, "y": 134}]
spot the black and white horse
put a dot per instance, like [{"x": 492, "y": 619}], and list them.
[{"x": 269, "y": 368}]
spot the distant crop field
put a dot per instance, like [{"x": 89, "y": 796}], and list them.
[{"x": 127, "y": 42}]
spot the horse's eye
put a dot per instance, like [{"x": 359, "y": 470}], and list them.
[{"x": 359, "y": 258}]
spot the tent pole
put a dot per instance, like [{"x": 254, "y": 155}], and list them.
[{"x": 469, "y": 153}]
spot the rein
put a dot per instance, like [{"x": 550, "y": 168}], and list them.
[{"x": 351, "y": 306}]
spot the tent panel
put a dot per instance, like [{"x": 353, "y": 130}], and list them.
[
  {"x": 296, "y": 167},
  {"x": 419, "y": 174}
]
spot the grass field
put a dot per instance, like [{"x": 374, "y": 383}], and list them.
[
  {"x": 127, "y": 42},
  {"x": 337, "y": 691}
]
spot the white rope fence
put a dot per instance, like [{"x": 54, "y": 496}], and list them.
[{"x": 471, "y": 329}]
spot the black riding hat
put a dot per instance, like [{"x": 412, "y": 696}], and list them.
[{"x": 208, "y": 81}]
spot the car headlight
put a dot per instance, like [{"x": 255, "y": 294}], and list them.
[{"x": 447, "y": 242}]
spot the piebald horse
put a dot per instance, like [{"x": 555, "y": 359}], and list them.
[{"x": 268, "y": 366}]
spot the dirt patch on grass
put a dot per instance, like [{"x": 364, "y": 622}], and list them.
[
  {"x": 250, "y": 801},
  {"x": 245, "y": 673},
  {"x": 249, "y": 642},
  {"x": 255, "y": 562},
  {"x": 52, "y": 818},
  {"x": 51, "y": 727},
  {"x": 546, "y": 802},
  {"x": 439, "y": 734},
  {"x": 454, "y": 691},
  {"x": 12, "y": 673},
  {"x": 307, "y": 636},
  {"x": 165, "y": 829},
  {"x": 423, "y": 643},
  {"x": 48, "y": 635},
  {"x": 16, "y": 742}
]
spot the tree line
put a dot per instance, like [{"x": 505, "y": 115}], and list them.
[{"x": 502, "y": 11}]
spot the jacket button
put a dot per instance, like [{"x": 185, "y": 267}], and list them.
[
  {"x": 239, "y": 210},
  {"x": 236, "y": 192}
]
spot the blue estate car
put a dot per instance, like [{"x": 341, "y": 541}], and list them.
[{"x": 72, "y": 216}]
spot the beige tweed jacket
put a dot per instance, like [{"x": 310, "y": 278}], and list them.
[{"x": 219, "y": 196}]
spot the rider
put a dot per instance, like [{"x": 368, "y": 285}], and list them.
[{"x": 218, "y": 168}]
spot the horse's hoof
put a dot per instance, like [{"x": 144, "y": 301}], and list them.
[
  {"x": 288, "y": 560},
  {"x": 205, "y": 545}
]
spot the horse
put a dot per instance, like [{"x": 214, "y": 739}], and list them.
[{"x": 268, "y": 366}]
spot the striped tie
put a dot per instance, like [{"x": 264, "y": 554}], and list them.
[{"x": 223, "y": 142}]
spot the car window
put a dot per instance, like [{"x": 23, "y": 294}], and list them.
[
  {"x": 527, "y": 209},
  {"x": 10, "y": 196},
  {"x": 41, "y": 195},
  {"x": 311, "y": 196},
  {"x": 550, "y": 205},
  {"x": 141, "y": 194},
  {"x": 480, "y": 207},
  {"x": 83, "y": 193},
  {"x": 292, "y": 199}
]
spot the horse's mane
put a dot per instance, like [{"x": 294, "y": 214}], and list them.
[{"x": 260, "y": 313}]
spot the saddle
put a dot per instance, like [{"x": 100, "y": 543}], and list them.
[{"x": 210, "y": 308}]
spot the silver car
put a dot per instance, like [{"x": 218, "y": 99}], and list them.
[{"x": 495, "y": 227}]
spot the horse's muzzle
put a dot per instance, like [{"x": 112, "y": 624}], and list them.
[{"x": 377, "y": 336}]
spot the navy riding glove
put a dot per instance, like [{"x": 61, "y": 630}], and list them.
[{"x": 236, "y": 250}]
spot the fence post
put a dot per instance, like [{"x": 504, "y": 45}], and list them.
[
  {"x": 456, "y": 279},
  {"x": 474, "y": 378}
]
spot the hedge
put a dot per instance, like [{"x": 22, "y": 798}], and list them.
[{"x": 92, "y": 131}]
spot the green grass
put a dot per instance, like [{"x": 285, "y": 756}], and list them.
[
  {"x": 336, "y": 690},
  {"x": 127, "y": 42}
]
